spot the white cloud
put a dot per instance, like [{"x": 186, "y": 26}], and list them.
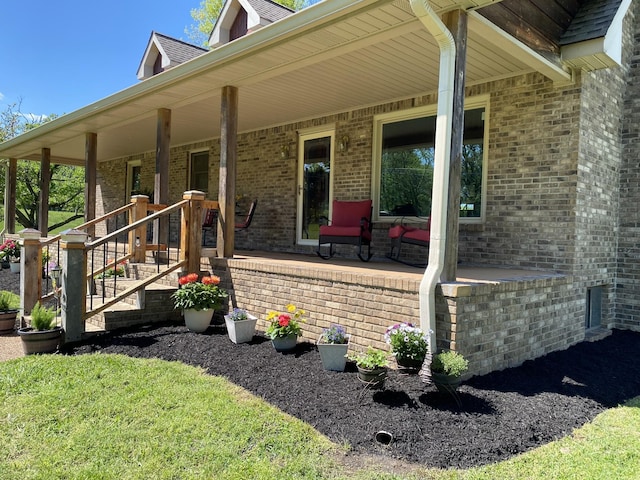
[{"x": 1, "y": 96}]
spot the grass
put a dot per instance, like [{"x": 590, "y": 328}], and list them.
[
  {"x": 54, "y": 217},
  {"x": 114, "y": 417}
]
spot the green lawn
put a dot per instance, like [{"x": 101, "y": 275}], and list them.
[
  {"x": 115, "y": 417},
  {"x": 54, "y": 218}
]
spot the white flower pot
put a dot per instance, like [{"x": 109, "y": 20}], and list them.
[
  {"x": 197, "y": 320},
  {"x": 285, "y": 344},
  {"x": 15, "y": 267},
  {"x": 241, "y": 331},
  {"x": 333, "y": 355}
]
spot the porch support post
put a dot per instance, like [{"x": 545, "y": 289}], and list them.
[
  {"x": 10, "y": 196},
  {"x": 228, "y": 160},
  {"x": 456, "y": 22},
  {"x": 74, "y": 284},
  {"x": 45, "y": 179},
  {"x": 30, "y": 270},
  {"x": 90, "y": 165},
  {"x": 161, "y": 186},
  {"x": 191, "y": 230},
  {"x": 138, "y": 237}
]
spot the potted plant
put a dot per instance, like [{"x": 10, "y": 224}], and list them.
[
  {"x": 372, "y": 366},
  {"x": 241, "y": 325},
  {"x": 10, "y": 251},
  {"x": 9, "y": 303},
  {"x": 284, "y": 328},
  {"x": 446, "y": 369},
  {"x": 198, "y": 299},
  {"x": 333, "y": 344},
  {"x": 43, "y": 336},
  {"x": 409, "y": 345}
]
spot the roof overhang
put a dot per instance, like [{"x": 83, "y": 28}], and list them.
[
  {"x": 333, "y": 57},
  {"x": 601, "y": 52}
]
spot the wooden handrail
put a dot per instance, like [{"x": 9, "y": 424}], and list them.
[
  {"x": 134, "y": 288},
  {"x": 134, "y": 225}
]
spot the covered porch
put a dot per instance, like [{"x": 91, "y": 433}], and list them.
[{"x": 498, "y": 317}]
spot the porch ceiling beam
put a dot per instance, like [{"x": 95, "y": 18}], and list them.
[
  {"x": 56, "y": 160},
  {"x": 503, "y": 41}
]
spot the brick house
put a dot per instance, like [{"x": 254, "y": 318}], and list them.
[{"x": 338, "y": 96}]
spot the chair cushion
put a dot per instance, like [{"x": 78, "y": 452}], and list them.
[
  {"x": 349, "y": 214},
  {"x": 336, "y": 231},
  {"x": 417, "y": 234}
]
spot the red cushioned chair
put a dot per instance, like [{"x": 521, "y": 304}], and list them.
[
  {"x": 351, "y": 225},
  {"x": 411, "y": 235}
]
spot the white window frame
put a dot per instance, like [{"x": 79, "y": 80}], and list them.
[{"x": 430, "y": 110}]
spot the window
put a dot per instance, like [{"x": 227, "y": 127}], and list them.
[
  {"x": 403, "y": 163},
  {"x": 134, "y": 174},
  {"x": 199, "y": 171}
]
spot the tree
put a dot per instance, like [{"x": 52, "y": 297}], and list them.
[
  {"x": 66, "y": 191},
  {"x": 209, "y": 11}
]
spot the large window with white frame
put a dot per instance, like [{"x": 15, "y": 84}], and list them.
[
  {"x": 199, "y": 171},
  {"x": 404, "y": 144}
]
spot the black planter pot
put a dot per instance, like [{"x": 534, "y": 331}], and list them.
[
  {"x": 445, "y": 383},
  {"x": 373, "y": 378},
  {"x": 40, "y": 341}
]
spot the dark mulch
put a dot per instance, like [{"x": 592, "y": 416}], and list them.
[{"x": 502, "y": 414}]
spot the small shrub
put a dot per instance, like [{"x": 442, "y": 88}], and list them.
[
  {"x": 371, "y": 359},
  {"x": 8, "y": 301},
  {"x": 42, "y": 317},
  {"x": 449, "y": 363}
]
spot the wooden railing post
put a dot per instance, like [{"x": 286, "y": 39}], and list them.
[
  {"x": 74, "y": 285},
  {"x": 138, "y": 237},
  {"x": 191, "y": 231},
  {"x": 30, "y": 269}
]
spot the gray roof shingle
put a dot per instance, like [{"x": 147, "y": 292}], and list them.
[
  {"x": 270, "y": 10},
  {"x": 177, "y": 50},
  {"x": 592, "y": 21}
]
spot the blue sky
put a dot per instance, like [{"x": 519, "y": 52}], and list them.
[{"x": 58, "y": 56}]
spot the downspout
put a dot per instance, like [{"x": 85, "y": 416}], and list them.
[{"x": 442, "y": 155}]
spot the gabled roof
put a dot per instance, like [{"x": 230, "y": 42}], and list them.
[
  {"x": 259, "y": 14},
  {"x": 594, "y": 38},
  {"x": 172, "y": 51}
]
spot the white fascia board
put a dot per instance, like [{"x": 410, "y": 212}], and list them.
[
  {"x": 502, "y": 40},
  {"x": 281, "y": 31}
]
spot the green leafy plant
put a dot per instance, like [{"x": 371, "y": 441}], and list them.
[
  {"x": 8, "y": 301},
  {"x": 197, "y": 294},
  {"x": 449, "y": 363},
  {"x": 335, "y": 334},
  {"x": 42, "y": 317},
  {"x": 371, "y": 359},
  {"x": 407, "y": 341},
  {"x": 285, "y": 324}
]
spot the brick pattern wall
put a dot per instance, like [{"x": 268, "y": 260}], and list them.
[
  {"x": 627, "y": 293},
  {"x": 497, "y": 326}
]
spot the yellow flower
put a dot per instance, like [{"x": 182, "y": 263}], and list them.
[
  {"x": 291, "y": 308},
  {"x": 271, "y": 316}
]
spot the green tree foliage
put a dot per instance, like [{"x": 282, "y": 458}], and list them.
[
  {"x": 407, "y": 179},
  {"x": 206, "y": 15},
  {"x": 66, "y": 189}
]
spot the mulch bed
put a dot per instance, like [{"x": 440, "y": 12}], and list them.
[{"x": 502, "y": 414}]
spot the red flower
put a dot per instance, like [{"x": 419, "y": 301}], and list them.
[
  {"x": 190, "y": 278},
  {"x": 212, "y": 280},
  {"x": 283, "y": 320}
]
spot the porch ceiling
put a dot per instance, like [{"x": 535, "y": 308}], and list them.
[{"x": 333, "y": 57}]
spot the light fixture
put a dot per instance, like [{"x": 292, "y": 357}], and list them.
[
  {"x": 343, "y": 144},
  {"x": 284, "y": 150}
]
